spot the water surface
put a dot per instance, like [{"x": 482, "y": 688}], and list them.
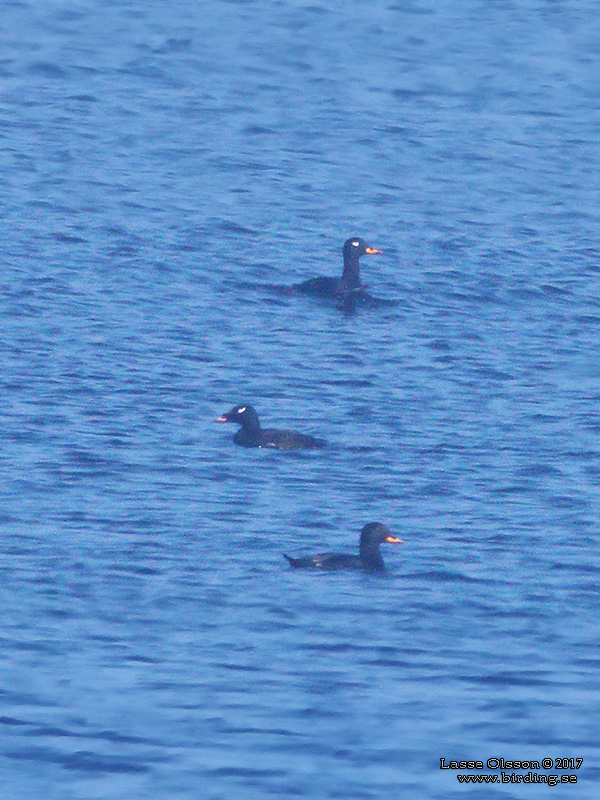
[{"x": 160, "y": 164}]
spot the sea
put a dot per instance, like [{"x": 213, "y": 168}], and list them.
[{"x": 162, "y": 165}]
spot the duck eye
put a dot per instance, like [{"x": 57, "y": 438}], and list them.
[
  {"x": 355, "y": 244},
  {"x": 241, "y": 410}
]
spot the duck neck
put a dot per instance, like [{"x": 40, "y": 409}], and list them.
[
  {"x": 351, "y": 274},
  {"x": 250, "y": 423},
  {"x": 370, "y": 556}
]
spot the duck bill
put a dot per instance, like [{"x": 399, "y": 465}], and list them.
[
  {"x": 394, "y": 540},
  {"x": 373, "y": 251},
  {"x": 223, "y": 418}
]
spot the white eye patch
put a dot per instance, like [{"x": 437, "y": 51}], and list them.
[
  {"x": 355, "y": 244},
  {"x": 241, "y": 410}
]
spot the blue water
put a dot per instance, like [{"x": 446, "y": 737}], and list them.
[{"x": 159, "y": 164}]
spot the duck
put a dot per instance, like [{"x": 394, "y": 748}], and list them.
[
  {"x": 251, "y": 434},
  {"x": 369, "y": 556},
  {"x": 339, "y": 288}
]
